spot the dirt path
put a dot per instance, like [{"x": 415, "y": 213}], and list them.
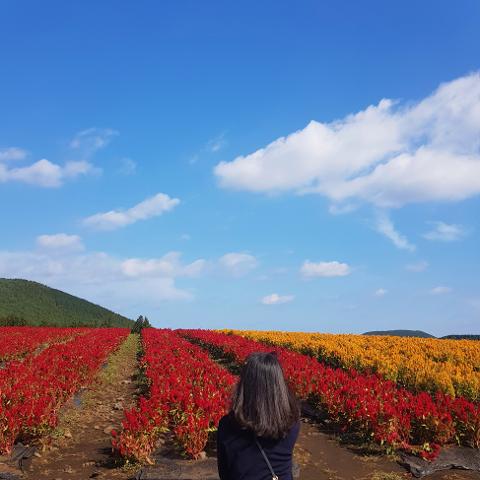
[
  {"x": 321, "y": 457},
  {"x": 80, "y": 447}
]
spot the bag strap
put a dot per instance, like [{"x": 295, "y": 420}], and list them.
[{"x": 274, "y": 477}]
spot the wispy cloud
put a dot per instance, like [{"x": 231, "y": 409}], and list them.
[
  {"x": 238, "y": 263},
  {"x": 12, "y": 153},
  {"x": 193, "y": 159},
  {"x": 324, "y": 269},
  {"x": 60, "y": 242},
  {"x": 276, "y": 299},
  {"x": 127, "y": 167},
  {"x": 169, "y": 266},
  {"x": 440, "y": 290},
  {"x": 380, "y": 292},
  {"x": 385, "y": 226},
  {"x": 214, "y": 145},
  {"x": 419, "y": 266},
  {"x": 444, "y": 232},
  {"x": 151, "y": 207},
  {"x": 217, "y": 143},
  {"x": 88, "y": 141}
]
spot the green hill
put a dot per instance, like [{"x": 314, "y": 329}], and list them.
[
  {"x": 401, "y": 333},
  {"x": 23, "y": 302}
]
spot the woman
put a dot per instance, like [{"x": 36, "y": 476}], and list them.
[{"x": 255, "y": 440}]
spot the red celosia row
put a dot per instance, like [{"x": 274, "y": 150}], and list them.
[
  {"x": 366, "y": 404},
  {"x": 188, "y": 395},
  {"x": 32, "y": 391},
  {"x": 15, "y": 342}
]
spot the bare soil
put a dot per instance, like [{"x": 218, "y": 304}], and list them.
[{"x": 321, "y": 457}]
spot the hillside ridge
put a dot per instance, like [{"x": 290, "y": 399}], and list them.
[
  {"x": 32, "y": 303},
  {"x": 401, "y": 333}
]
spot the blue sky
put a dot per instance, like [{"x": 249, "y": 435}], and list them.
[{"x": 293, "y": 165}]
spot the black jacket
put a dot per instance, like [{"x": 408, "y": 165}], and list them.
[{"x": 239, "y": 458}]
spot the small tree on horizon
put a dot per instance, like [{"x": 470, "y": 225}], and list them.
[{"x": 141, "y": 323}]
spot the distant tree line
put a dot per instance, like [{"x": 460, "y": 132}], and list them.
[
  {"x": 15, "y": 321},
  {"x": 12, "y": 321},
  {"x": 462, "y": 337}
]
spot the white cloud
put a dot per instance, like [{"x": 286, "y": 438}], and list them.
[
  {"x": 444, "y": 232},
  {"x": 342, "y": 209},
  {"x": 276, "y": 299},
  {"x": 12, "y": 153},
  {"x": 60, "y": 242},
  {"x": 168, "y": 265},
  {"x": 381, "y": 292},
  {"x": 44, "y": 173},
  {"x": 238, "y": 263},
  {"x": 88, "y": 141},
  {"x": 420, "y": 266},
  {"x": 440, "y": 290},
  {"x": 385, "y": 226},
  {"x": 324, "y": 269},
  {"x": 388, "y": 154},
  {"x": 116, "y": 282},
  {"x": 151, "y": 207}
]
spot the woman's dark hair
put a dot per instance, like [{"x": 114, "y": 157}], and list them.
[{"x": 262, "y": 401}]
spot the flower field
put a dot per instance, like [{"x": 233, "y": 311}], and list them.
[
  {"x": 419, "y": 364},
  {"x": 186, "y": 390},
  {"x": 16, "y": 342},
  {"x": 188, "y": 394},
  {"x": 374, "y": 408},
  {"x": 33, "y": 390}
]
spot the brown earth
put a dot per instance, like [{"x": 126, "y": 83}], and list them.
[
  {"x": 80, "y": 447},
  {"x": 321, "y": 457}
]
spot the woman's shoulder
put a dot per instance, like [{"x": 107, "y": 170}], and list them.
[
  {"x": 229, "y": 429},
  {"x": 292, "y": 434},
  {"x": 227, "y": 422},
  {"x": 296, "y": 428}
]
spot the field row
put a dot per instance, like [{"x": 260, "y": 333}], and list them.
[
  {"x": 16, "y": 342},
  {"x": 188, "y": 394},
  {"x": 33, "y": 390},
  {"x": 419, "y": 364}
]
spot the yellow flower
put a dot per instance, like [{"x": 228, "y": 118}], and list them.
[{"x": 450, "y": 366}]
